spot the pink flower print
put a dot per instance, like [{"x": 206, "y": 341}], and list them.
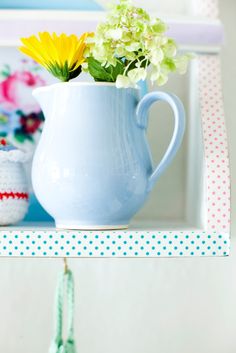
[{"x": 16, "y": 92}]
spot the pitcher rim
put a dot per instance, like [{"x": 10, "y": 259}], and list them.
[{"x": 82, "y": 83}]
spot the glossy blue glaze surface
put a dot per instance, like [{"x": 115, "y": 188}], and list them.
[{"x": 92, "y": 167}]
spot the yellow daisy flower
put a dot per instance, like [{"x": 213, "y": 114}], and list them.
[{"x": 61, "y": 55}]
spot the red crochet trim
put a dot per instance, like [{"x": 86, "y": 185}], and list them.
[{"x": 14, "y": 195}]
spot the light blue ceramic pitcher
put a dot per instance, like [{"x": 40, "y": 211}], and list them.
[{"x": 92, "y": 168}]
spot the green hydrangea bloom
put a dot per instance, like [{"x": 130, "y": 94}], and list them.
[{"x": 138, "y": 42}]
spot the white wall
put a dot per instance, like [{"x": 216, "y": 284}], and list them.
[{"x": 133, "y": 306}]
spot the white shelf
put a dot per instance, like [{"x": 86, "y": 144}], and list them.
[
  {"x": 139, "y": 241},
  {"x": 207, "y": 177},
  {"x": 207, "y": 35}
]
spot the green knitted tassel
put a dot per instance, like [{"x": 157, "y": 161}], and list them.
[{"x": 58, "y": 345}]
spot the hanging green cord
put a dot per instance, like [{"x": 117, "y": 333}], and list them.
[{"x": 58, "y": 345}]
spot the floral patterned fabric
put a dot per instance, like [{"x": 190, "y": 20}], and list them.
[
  {"x": 21, "y": 120},
  {"x": 20, "y": 115}
]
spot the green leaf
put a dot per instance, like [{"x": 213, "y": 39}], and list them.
[
  {"x": 97, "y": 71},
  {"x": 19, "y": 112},
  {"x": 116, "y": 70},
  {"x": 6, "y": 71},
  {"x": 29, "y": 137},
  {"x": 4, "y": 74},
  {"x": 105, "y": 74},
  {"x": 41, "y": 116},
  {"x": 4, "y": 119},
  {"x": 20, "y": 137}
]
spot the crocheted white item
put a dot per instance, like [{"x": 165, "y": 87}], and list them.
[
  {"x": 14, "y": 155},
  {"x": 12, "y": 211},
  {"x": 13, "y": 189}
]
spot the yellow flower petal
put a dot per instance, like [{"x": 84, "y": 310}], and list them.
[
  {"x": 60, "y": 54},
  {"x": 30, "y": 53}
]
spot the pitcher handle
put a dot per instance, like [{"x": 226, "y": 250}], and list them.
[{"x": 177, "y": 137}]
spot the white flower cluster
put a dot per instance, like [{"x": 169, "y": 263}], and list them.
[{"x": 131, "y": 36}]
